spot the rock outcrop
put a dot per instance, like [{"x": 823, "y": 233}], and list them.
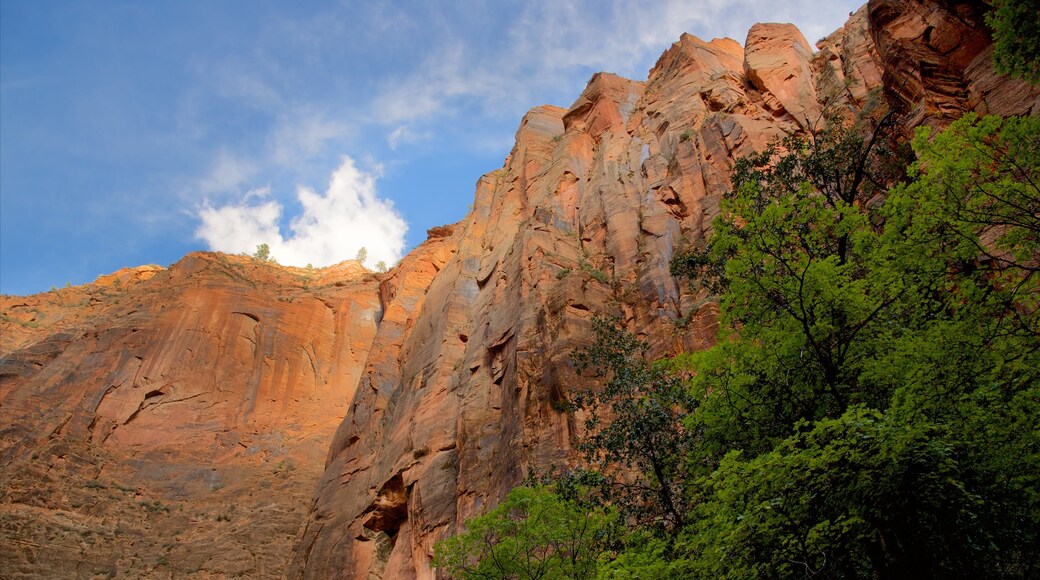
[
  {"x": 463, "y": 393},
  {"x": 174, "y": 422},
  {"x": 938, "y": 57}
]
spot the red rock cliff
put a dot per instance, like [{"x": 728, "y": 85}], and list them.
[
  {"x": 174, "y": 422},
  {"x": 460, "y": 396},
  {"x": 170, "y": 423}
]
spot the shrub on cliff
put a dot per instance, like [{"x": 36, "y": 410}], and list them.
[{"x": 263, "y": 253}]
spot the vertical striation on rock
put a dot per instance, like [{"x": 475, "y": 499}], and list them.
[{"x": 461, "y": 397}]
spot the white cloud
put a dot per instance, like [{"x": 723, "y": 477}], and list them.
[{"x": 330, "y": 228}]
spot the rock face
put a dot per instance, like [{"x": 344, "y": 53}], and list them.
[
  {"x": 461, "y": 396},
  {"x": 173, "y": 423},
  {"x": 938, "y": 57}
]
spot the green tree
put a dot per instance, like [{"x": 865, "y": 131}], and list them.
[
  {"x": 381, "y": 266},
  {"x": 874, "y": 415},
  {"x": 870, "y": 408},
  {"x": 793, "y": 259},
  {"x": 263, "y": 253},
  {"x": 1016, "y": 37},
  {"x": 974, "y": 206},
  {"x": 362, "y": 255},
  {"x": 533, "y": 534},
  {"x": 636, "y": 437}
]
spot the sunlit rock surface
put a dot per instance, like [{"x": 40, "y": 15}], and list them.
[{"x": 173, "y": 423}]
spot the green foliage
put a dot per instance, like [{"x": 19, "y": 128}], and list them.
[
  {"x": 645, "y": 556},
  {"x": 975, "y": 205},
  {"x": 1016, "y": 37},
  {"x": 636, "y": 435},
  {"x": 793, "y": 259},
  {"x": 381, "y": 266},
  {"x": 595, "y": 273},
  {"x": 362, "y": 255},
  {"x": 533, "y": 534},
  {"x": 862, "y": 495},
  {"x": 872, "y": 418},
  {"x": 155, "y": 507},
  {"x": 263, "y": 253}
]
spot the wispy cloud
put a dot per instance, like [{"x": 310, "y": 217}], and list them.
[
  {"x": 331, "y": 226},
  {"x": 404, "y": 135},
  {"x": 228, "y": 172},
  {"x": 302, "y": 134},
  {"x": 551, "y": 42}
]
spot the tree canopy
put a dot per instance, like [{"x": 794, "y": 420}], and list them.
[{"x": 1016, "y": 37}]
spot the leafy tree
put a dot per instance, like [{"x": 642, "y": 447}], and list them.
[
  {"x": 975, "y": 205},
  {"x": 636, "y": 435},
  {"x": 862, "y": 495},
  {"x": 873, "y": 417},
  {"x": 533, "y": 534},
  {"x": 381, "y": 266},
  {"x": 793, "y": 258},
  {"x": 973, "y": 367},
  {"x": 362, "y": 255},
  {"x": 1016, "y": 37},
  {"x": 263, "y": 253}
]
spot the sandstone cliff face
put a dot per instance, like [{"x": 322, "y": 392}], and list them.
[
  {"x": 938, "y": 57},
  {"x": 461, "y": 395},
  {"x": 173, "y": 423}
]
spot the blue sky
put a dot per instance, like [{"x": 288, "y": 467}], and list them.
[{"x": 135, "y": 132}]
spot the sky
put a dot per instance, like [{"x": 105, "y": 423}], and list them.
[{"x": 134, "y": 132}]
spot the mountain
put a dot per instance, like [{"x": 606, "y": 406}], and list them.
[{"x": 176, "y": 422}]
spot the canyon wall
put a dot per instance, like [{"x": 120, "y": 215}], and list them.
[
  {"x": 462, "y": 394},
  {"x": 173, "y": 423}
]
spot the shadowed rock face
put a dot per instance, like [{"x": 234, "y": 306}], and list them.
[
  {"x": 460, "y": 399},
  {"x": 938, "y": 57},
  {"x": 174, "y": 422}
]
